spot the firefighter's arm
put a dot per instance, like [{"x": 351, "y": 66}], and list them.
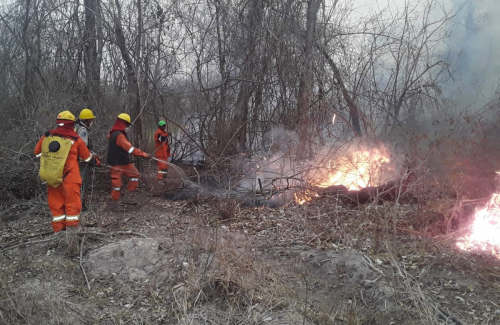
[
  {"x": 84, "y": 153},
  {"x": 38, "y": 147},
  {"x": 163, "y": 137},
  {"x": 123, "y": 143},
  {"x": 95, "y": 162}
]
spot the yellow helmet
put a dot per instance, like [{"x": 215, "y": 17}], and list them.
[
  {"x": 66, "y": 115},
  {"x": 86, "y": 114},
  {"x": 125, "y": 117}
]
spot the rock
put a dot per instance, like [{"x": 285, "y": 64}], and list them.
[{"x": 135, "y": 260}]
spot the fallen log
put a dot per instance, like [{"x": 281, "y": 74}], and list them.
[
  {"x": 332, "y": 190},
  {"x": 386, "y": 192},
  {"x": 390, "y": 191}
]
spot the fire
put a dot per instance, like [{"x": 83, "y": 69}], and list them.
[
  {"x": 356, "y": 171},
  {"x": 484, "y": 229},
  {"x": 306, "y": 196}
]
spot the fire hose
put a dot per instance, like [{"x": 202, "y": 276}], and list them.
[
  {"x": 163, "y": 161},
  {"x": 134, "y": 161}
]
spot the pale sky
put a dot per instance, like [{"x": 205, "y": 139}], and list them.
[{"x": 475, "y": 42}]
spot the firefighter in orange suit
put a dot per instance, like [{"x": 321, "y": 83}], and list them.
[
  {"x": 64, "y": 195},
  {"x": 119, "y": 149},
  {"x": 162, "y": 150}
]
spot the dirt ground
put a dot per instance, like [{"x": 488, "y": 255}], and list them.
[{"x": 206, "y": 260}]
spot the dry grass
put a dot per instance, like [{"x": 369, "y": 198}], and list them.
[
  {"x": 228, "y": 281},
  {"x": 229, "y": 209},
  {"x": 225, "y": 274}
]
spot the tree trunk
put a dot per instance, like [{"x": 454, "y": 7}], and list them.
[
  {"x": 133, "y": 104},
  {"x": 353, "y": 108},
  {"x": 79, "y": 55},
  {"x": 28, "y": 87},
  {"x": 221, "y": 107},
  {"x": 239, "y": 124},
  {"x": 100, "y": 46},
  {"x": 306, "y": 81},
  {"x": 90, "y": 58}
]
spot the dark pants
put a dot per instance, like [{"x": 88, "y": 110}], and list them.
[{"x": 86, "y": 174}]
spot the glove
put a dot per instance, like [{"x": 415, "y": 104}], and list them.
[
  {"x": 162, "y": 138},
  {"x": 148, "y": 156},
  {"x": 95, "y": 162}
]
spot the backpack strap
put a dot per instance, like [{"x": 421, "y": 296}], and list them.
[{"x": 48, "y": 134}]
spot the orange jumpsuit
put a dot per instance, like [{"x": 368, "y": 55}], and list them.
[
  {"x": 128, "y": 170},
  {"x": 161, "y": 152},
  {"x": 65, "y": 203}
]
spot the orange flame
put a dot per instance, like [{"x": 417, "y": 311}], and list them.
[
  {"x": 357, "y": 170},
  {"x": 306, "y": 196},
  {"x": 484, "y": 229}
]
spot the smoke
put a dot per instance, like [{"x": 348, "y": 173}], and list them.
[
  {"x": 275, "y": 170},
  {"x": 275, "y": 177},
  {"x": 475, "y": 35},
  {"x": 472, "y": 50}
]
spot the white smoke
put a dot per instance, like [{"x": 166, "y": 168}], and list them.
[
  {"x": 473, "y": 49},
  {"x": 474, "y": 43},
  {"x": 280, "y": 173}
]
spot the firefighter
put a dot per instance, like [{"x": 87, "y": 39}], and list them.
[
  {"x": 119, "y": 149},
  {"x": 59, "y": 151},
  {"x": 162, "y": 150},
  {"x": 83, "y": 124},
  {"x": 82, "y": 127}
]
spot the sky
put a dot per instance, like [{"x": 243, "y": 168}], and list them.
[{"x": 474, "y": 44}]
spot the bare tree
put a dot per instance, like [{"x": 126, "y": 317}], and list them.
[
  {"x": 248, "y": 82},
  {"x": 236, "y": 68},
  {"x": 306, "y": 80},
  {"x": 93, "y": 45},
  {"x": 133, "y": 101}
]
